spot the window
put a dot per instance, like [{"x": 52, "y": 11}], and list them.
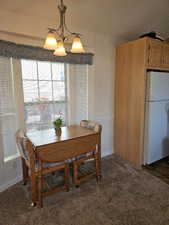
[
  {"x": 44, "y": 86},
  {"x": 45, "y": 93}
]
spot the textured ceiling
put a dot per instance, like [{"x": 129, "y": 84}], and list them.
[{"x": 121, "y": 19}]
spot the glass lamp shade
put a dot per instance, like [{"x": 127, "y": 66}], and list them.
[
  {"x": 77, "y": 46},
  {"x": 60, "y": 50},
  {"x": 50, "y": 42}
]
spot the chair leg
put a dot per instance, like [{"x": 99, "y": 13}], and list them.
[
  {"x": 66, "y": 176},
  {"x": 97, "y": 167},
  {"x": 75, "y": 174},
  {"x": 24, "y": 171},
  {"x": 40, "y": 188}
]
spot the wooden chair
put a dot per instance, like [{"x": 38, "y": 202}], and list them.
[
  {"x": 35, "y": 168},
  {"x": 45, "y": 157},
  {"x": 81, "y": 169},
  {"x": 21, "y": 140}
]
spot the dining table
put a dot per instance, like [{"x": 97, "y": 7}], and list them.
[{"x": 73, "y": 141}]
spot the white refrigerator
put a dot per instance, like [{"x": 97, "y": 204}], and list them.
[{"x": 156, "y": 140}]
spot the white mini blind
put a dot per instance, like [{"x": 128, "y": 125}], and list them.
[
  {"x": 7, "y": 109},
  {"x": 81, "y": 90},
  {"x": 5, "y": 86}
]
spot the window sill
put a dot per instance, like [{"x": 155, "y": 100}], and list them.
[{"x": 12, "y": 157}]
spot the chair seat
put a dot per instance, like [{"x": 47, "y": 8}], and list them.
[
  {"x": 46, "y": 165},
  {"x": 86, "y": 168},
  {"x": 50, "y": 165}
]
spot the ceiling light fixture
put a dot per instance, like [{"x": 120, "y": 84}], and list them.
[{"x": 57, "y": 37}]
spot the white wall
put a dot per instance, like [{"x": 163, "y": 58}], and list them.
[
  {"x": 101, "y": 88},
  {"x": 104, "y": 89}
]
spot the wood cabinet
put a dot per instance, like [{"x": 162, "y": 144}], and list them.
[
  {"x": 133, "y": 59},
  {"x": 165, "y": 56},
  {"x": 158, "y": 54}
]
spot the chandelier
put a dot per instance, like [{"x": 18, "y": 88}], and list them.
[{"x": 56, "y": 38}]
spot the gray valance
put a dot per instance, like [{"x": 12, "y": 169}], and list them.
[{"x": 19, "y": 51}]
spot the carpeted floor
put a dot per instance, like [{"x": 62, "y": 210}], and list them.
[{"x": 128, "y": 195}]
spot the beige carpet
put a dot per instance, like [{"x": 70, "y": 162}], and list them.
[{"x": 127, "y": 196}]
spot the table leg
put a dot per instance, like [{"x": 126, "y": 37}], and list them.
[
  {"x": 99, "y": 157},
  {"x": 34, "y": 189}
]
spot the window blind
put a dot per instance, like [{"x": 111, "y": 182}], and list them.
[
  {"x": 7, "y": 109},
  {"x": 81, "y": 86}
]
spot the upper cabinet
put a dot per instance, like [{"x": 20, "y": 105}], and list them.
[
  {"x": 165, "y": 56},
  {"x": 158, "y": 55}
]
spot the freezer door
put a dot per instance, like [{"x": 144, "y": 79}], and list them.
[
  {"x": 158, "y": 86},
  {"x": 157, "y": 131}
]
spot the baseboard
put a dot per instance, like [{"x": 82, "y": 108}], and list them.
[
  {"x": 107, "y": 156},
  {"x": 10, "y": 183},
  {"x": 106, "y": 153}
]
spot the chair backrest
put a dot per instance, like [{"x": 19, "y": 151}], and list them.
[
  {"x": 91, "y": 125},
  {"x": 21, "y": 141}
]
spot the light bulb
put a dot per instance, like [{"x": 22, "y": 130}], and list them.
[
  {"x": 77, "y": 46},
  {"x": 50, "y": 42},
  {"x": 60, "y": 50}
]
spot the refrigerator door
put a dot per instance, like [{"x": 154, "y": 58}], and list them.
[
  {"x": 157, "y": 131},
  {"x": 158, "y": 89}
]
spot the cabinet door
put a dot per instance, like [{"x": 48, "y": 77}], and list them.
[
  {"x": 130, "y": 100},
  {"x": 165, "y": 56},
  {"x": 155, "y": 54}
]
